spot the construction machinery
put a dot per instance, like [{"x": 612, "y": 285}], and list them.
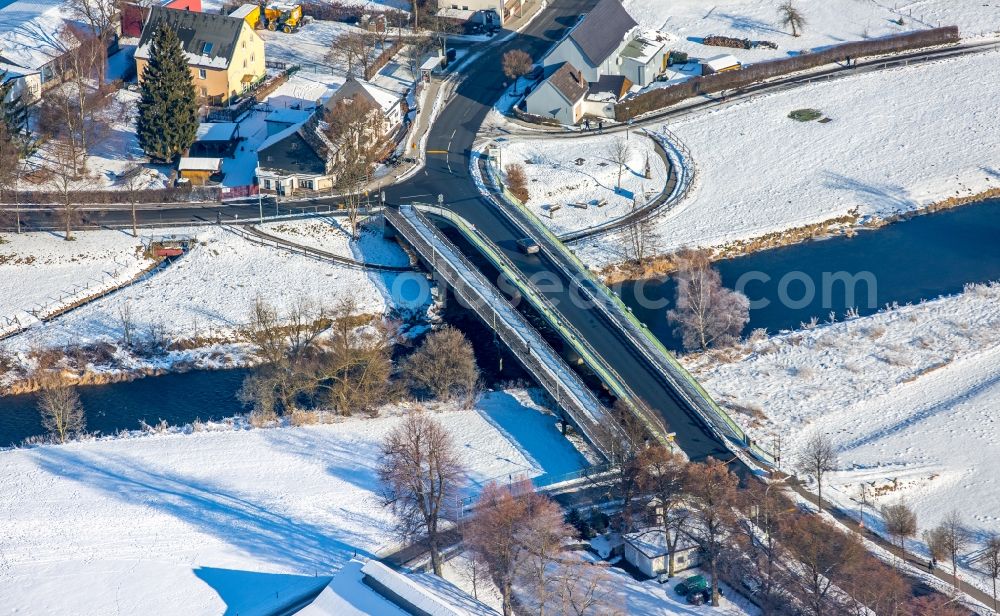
[
  {"x": 280, "y": 16},
  {"x": 273, "y": 16}
]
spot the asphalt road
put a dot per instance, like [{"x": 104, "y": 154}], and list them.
[{"x": 447, "y": 173}]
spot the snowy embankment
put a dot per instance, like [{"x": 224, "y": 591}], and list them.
[
  {"x": 897, "y": 141},
  {"x": 562, "y": 172},
  {"x": 37, "y": 269},
  {"x": 222, "y": 521},
  {"x": 827, "y": 23},
  {"x": 908, "y": 396},
  {"x": 203, "y": 297}
]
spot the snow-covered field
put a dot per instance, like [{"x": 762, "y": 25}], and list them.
[
  {"x": 908, "y": 396},
  {"x": 206, "y": 293},
  {"x": 898, "y": 140},
  {"x": 36, "y": 269},
  {"x": 556, "y": 180},
  {"x": 828, "y": 23},
  {"x": 213, "y": 522}
]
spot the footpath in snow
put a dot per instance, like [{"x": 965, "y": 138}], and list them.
[
  {"x": 897, "y": 141},
  {"x": 220, "y": 521}
]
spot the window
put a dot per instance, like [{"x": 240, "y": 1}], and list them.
[
  {"x": 244, "y": 44},
  {"x": 252, "y": 58},
  {"x": 202, "y": 74},
  {"x": 206, "y": 48},
  {"x": 308, "y": 184},
  {"x": 244, "y": 62},
  {"x": 204, "y": 91},
  {"x": 267, "y": 184}
]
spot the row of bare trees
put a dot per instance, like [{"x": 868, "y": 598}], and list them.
[{"x": 334, "y": 358}]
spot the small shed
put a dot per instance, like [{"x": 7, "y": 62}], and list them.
[
  {"x": 649, "y": 551},
  {"x": 216, "y": 139},
  {"x": 721, "y": 64},
  {"x": 200, "y": 171},
  {"x": 429, "y": 67}
]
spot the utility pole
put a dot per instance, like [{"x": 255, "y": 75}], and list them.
[{"x": 260, "y": 196}]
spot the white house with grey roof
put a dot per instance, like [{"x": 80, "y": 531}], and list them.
[{"x": 610, "y": 54}]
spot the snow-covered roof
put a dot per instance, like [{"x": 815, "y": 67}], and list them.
[
  {"x": 431, "y": 63},
  {"x": 644, "y": 47},
  {"x": 720, "y": 63},
  {"x": 652, "y": 542},
  {"x": 244, "y": 10},
  {"x": 30, "y": 32},
  {"x": 353, "y": 87},
  {"x": 216, "y": 131},
  {"x": 363, "y": 588},
  {"x": 284, "y": 115},
  {"x": 188, "y": 163},
  {"x": 278, "y": 136},
  {"x": 208, "y": 39}
]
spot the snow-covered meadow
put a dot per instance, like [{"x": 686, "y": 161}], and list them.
[
  {"x": 205, "y": 294},
  {"x": 224, "y": 521},
  {"x": 827, "y": 23},
  {"x": 908, "y": 397},
  {"x": 582, "y": 171},
  {"x": 897, "y": 141}
]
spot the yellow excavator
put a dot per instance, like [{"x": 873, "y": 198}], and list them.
[
  {"x": 280, "y": 16},
  {"x": 273, "y": 16}
]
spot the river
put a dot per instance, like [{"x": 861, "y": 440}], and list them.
[{"x": 921, "y": 258}]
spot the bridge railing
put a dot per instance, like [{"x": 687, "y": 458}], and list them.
[
  {"x": 618, "y": 385},
  {"x": 712, "y": 415},
  {"x": 583, "y": 408}
]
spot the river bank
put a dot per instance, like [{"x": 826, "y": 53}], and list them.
[
  {"x": 908, "y": 397},
  {"x": 847, "y": 225},
  {"x": 882, "y": 145}
]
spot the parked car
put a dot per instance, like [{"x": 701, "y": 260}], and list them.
[{"x": 695, "y": 590}]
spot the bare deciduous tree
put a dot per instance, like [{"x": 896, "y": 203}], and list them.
[
  {"x": 826, "y": 556},
  {"x": 444, "y": 365},
  {"x": 948, "y": 540},
  {"x": 421, "y": 475},
  {"x": 758, "y": 536},
  {"x": 900, "y": 522},
  {"x": 516, "y": 63},
  {"x": 933, "y": 605},
  {"x": 517, "y": 183},
  {"x": 661, "y": 479},
  {"x": 127, "y": 322},
  {"x": 712, "y": 488},
  {"x": 817, "y": 457},
  {"x": 624, "y": 438},
  {"x": 874, "y": 588},
  {"x": 133, "y": 180},
  {"x": 641, "y": 232},
  {"x": 586, "y": 589},
  {"x": 357, "y": 49},
  {"x": 62, "y": 413},
  {"x": 791, "y": 17},
  {"x": 505, "y": 531},
  {"x": 705, "y": 313},
  {"x": 989, "y": 559},
  {"x": 357, "y": 130},
  {"x": 618, "y": 152}
]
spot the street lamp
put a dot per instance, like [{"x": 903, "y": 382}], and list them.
[
  {"x": 260, "y": 195},
  {"x": 441, "y": 201}
]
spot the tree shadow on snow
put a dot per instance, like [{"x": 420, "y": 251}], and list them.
[
  {"x": 243, "y": 591},
  {"x": 232, "y": 517},
  {"x": 885, "y": 195}
]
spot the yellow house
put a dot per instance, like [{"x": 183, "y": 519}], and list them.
[{"x": 226, "y": 56}]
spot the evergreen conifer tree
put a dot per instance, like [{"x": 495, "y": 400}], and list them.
[{"x": 168, "y": 111}]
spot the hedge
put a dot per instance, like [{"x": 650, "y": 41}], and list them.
[{"x": 664, "y": 97}]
